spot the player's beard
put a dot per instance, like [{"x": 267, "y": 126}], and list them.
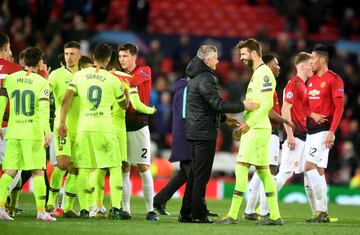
[{"x": 250, "y": 62}]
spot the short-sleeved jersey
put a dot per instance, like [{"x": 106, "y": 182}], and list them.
[
  {"x": 26, "y": 91},
  {"x": 276, "y": 108},
  {"x": 59, "y": 80},
  {"x": 118, "y": 114},
  {"x": 260, "y": 90},
  {"x": 295, "y": 94},
  {"x": 321, "y": 92},
  {"x": 6, "y": 68},
  {"x": 141, "y": 78},
  {"x": 97, "y": 90}
]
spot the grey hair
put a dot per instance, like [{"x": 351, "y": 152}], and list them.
[{"x": 205, "y": 51}]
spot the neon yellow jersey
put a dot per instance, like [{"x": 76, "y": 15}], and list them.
[
  {"x": 97, "y": 90},
  {"x": 260, "y": 90},
  {"x": 59, "y": 80},
  {"x": 118, "y": 114},
  {"x": 29, "y": 106}
]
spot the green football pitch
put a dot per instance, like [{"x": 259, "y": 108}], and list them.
[{"x": 293, "y": 215}]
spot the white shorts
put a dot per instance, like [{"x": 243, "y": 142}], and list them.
[
  {"x": 52, "y": 154},
  {"x": 274, "y": 156},
  {"x": 2, "y": 145},
  {"x": 138, "y": 146},
  {"x": 293, "y": 160},
  {"x": 315, "y": 150}
]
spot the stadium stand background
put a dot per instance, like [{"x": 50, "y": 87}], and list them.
[{"x": 172, "y": 31}]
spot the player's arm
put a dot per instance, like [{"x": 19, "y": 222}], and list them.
[
  {"x": 275, "y": 117},
  {"x": 3, "y": 103},
  {"x": 286, "y": 112},
  {"x": 209, "y": 92},
  {"x": 266, "y": 103},
  {"x": 66, "y": 104},
  {"x": 137, "y": 104},
  {"x": 337, "y": 92},
  {"x": 44, "y": 108}
]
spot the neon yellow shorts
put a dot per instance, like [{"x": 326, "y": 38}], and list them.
[
  {"x": 121, "y": 137},
  {"x": 254, "y": 147},
  {"x": 24, "y": 155},
  {"x": 65, "y": 146},
  {"x": 97, "y": 150}
]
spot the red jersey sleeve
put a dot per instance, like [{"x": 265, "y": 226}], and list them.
[
  {"x": 337, "y": 87},
  {"x": 276, "y": 106},
  {"x": 289, "y": 93},
  {"x": 140, "y": 75}
]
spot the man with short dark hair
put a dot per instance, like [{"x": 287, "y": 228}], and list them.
[
  {"x": 64, "y": 149},
  {"x": 96, "y": 141},
  {"x": 325, "y": 98},
  {"x": 137, "y": 128},
  {"x": 29, "y": 112},
  {"x": 255, "y": 134}
]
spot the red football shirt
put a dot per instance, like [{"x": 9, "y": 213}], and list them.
[
  {"x": 321, "y": 94},
  {"x": 7, "y": 67},
  {"x": 276, "y": 108},
  {"x": 141, "y": 78},
  {"x": 295, "y": 94}
]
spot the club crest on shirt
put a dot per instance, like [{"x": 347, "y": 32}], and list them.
[
  {"x": 323, "y": 84},
  {"x": 266, "y": 78}
]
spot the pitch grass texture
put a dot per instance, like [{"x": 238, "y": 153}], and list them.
[{"x": 293, "y": 215}]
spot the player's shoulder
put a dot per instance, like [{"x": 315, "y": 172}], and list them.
[
  {"x": 9, "y": 67},
  {"x": 334, "y": 75},
  {"x": 121, "y": 74},
  {"x": 143, "y": 70}
]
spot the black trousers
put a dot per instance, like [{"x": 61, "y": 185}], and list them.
[
  {"x": 174, "y": 184},
  {"x": 202, "y": 155}
]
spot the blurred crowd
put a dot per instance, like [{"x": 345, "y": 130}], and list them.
[{"x": 49, "y": 24}]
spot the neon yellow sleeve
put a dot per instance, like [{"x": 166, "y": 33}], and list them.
[
  {"x": 3, "y": 103},
  {"x": 44, "y": 108},
  {"x": 137, "y": 104}
]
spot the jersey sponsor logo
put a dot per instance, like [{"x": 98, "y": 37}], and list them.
[
  {"x": 266, "y": 78},
  {"x": 289, "y": 95},
  {"x": 314, "y": 92},
  {"x": 323, "y": 84},
  {"x": 267, "y": 84}
]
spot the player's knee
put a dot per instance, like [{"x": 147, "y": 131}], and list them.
[
  {"x": 12, "y": 173},
  {"x": 143, "y": 167},
  {"x": 63, "y": 162},
  {"x": 125, "y": 167},
  {"x": 37, "y": 173},
  {"x": 309, "y": 166},
  {"x": 72, "y": 170},
  {"x": 274, "y": 169}
]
